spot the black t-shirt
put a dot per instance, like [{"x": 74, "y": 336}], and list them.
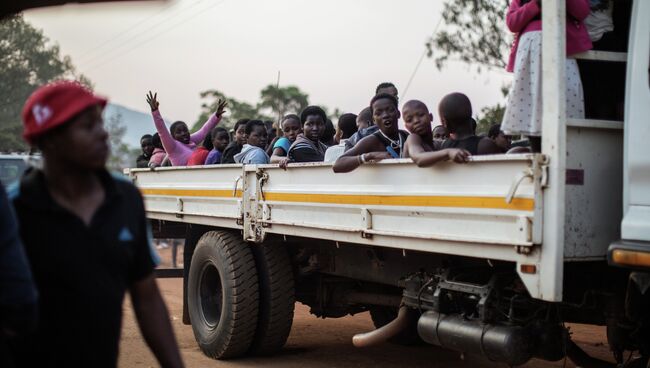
[
  {"x": 81, "y": 272},
  {"x": 396, "y": 149},
  {"x": 303, "y": 150},
  {"x": 470, "y": 144},
  {"x": 17, "y": 290},
  {"x": 305, "y": 154},
  {"x": 229, "y": 153},
  {"x": 142, "y": 161}
]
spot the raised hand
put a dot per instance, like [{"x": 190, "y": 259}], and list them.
[
  {"x": 221, "y": 105},
  {"x": 458, "y": 155},
  {"x": 152, "y": 100}
]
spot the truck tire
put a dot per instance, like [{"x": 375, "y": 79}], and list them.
[
  {"x": 277, "y": 298},
  {"x": 223, "y": 295},
  {"x": 381, "y": 316}
]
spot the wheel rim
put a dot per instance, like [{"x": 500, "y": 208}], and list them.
[{"x": 210, "y": 295}]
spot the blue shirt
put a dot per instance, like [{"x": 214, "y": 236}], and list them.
[
  {"x": 214, "y": 157},
  {"x": 251, "y": 155},
  {"x": 283, "y": 143}
]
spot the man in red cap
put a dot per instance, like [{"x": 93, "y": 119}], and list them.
[{"x": 86, "y": 237}]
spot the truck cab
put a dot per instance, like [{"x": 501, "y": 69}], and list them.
[{"x": 633, "y": 249}]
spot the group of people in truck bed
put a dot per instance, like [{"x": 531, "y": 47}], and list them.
[
  {"x": 74, "y": 238},
  {"x": 368, "y": 137},
  {"x": 373, "y": 134}
]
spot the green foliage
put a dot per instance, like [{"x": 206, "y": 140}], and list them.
[
  {"x": 122, "y": 156},
  {"x": 474, "y": 32},
  {"x": 279, "y": 101},
  {"x": 27, "y": 60},
  {"x": 235, "y": 110},
  {"x": 275, "y": 102},
  {"x": 333, "y": 115},
  {"x": 491, "y": 115}
]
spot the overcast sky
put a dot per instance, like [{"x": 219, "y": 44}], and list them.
[{"x": 337, "y": 51}]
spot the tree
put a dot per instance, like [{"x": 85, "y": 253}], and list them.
[
  {"x": 280, "y": 101},
  {"x": 236, "y": 109},
  {"x": 332, "y": 115},
  {"x": 491, "y": 115},
  {"x": 122, "y": 155},
  {"x": 474, "y": 32},
  {"x": 274, "y": 103},
  {"x": 27, "y": 60}
]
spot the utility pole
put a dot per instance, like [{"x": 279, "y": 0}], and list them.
[{"x": 277, "y": 103}]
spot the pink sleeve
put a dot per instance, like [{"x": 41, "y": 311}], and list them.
[
  {"x": 157, "y": 159},
  {"x": 168, "y": 142},
  {"x": 519, "y": 16},
  {"x": 198, "y": 136},
  {"x": 578, "y": 9}
]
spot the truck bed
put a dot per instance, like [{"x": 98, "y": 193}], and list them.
[
  {"x": 489, "y": 208},
  {"x": 449, "y": 208}
]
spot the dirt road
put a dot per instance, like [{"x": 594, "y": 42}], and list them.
[{"x": 318, "y": 342}]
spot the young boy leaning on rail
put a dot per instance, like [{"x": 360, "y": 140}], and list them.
[{"x": 420, "y": 146}]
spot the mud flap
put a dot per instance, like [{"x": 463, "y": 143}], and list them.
[{"x": 637, "y": 300}]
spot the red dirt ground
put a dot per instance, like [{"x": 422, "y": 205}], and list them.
[{"x": 318, "y": 342}]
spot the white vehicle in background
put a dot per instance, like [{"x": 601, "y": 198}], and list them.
[
  {"x": 13, "y": 165},
  {"x": 488, "y": 258}
]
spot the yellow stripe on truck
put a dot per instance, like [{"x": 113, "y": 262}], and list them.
[
  {"x": 192, "y": 192},
  {"x": 520, "y": 204},
  {"x": 523, "y": 204}
]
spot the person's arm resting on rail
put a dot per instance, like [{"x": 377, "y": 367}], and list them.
[
  {"x": 423, "y": 158},
  {"x": 361, "y": 153}
]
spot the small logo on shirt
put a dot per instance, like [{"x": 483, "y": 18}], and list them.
[{"x": 125, "y": 235}]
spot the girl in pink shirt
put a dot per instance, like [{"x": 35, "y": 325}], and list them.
[
  {"x": 158, "y": 155},
  {"x": 177, "y": 141},
  {"x": 523, "y": 113}
]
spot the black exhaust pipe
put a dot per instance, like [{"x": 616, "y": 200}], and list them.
[{"x": 500, "y": 343}]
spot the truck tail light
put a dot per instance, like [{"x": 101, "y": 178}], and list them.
[{"x": 631, "y": 258}]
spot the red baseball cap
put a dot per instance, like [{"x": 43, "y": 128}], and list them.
[{"x": 54, "y": 104}]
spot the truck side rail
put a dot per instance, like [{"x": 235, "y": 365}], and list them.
[
  {"x": 197, "y": 195},
  {"x": 489, "y": 208},
  {"x": 448, "y": 202}
]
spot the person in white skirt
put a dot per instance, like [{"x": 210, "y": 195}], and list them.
[{"x": 523, "y": 113}]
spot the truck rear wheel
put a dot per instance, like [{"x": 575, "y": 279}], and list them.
[
  {"x": 223, "y": 295},
  {"x": 277, "y": 298}
]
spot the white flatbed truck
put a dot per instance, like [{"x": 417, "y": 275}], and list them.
[{"x": 487, "y": 258}]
